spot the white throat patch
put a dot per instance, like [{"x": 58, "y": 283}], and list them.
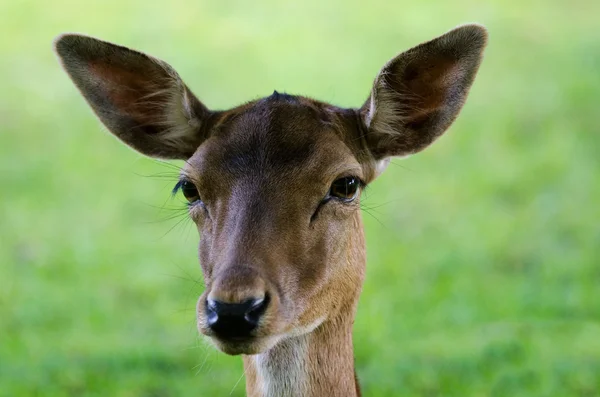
[{"x": 282, "y": 371}]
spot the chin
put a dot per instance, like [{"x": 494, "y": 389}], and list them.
[{"x": 246, "y": 346}]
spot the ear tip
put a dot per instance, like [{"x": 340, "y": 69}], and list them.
[
  {"x": 61, "y": 43},
  {"x": 478, "y": 30},
  {"x": 473, "y": 33},
  {"x": 474, "y": 27},
  {"x": 67, "y": 43}
]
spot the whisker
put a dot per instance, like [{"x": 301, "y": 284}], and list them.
[
  {"x": 236, "y": 383},
  {"x": 208, "y": 353},
  {"x": 168, "y": 164},
  {"x": 183, "y": 219},
  {"x": 378, "y": 221},
  {"x": 188, "y": 227},
  {"x": 198, "y": 346},
  {"x": 180, "y": 277},
  {"x": 201, "y": 365},
  {"x": 373, "y": 207},
  {"x": 165, "y": 208},
  {"x": 161, "y": 175},
  {"x": 401, "y": 166},
  {"x": 183, "y": 215}
]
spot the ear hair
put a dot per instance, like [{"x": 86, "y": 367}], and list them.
[
  {"x": 418, "y": 94},
  {"x": 140, "y": 99}
]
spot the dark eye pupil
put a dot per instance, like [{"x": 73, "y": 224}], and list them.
[
  {"x": 345, "y": 188},
  {"x": 189, "y": 191}
]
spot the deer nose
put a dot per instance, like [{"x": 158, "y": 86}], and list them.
[{"x": 235, "y": 320}]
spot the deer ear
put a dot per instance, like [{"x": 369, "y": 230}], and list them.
[
  {"x": 140, "y": 99},
  {"x": 418, "y": 94}
]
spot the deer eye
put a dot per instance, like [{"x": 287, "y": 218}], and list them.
[
  {"x": 346, "y": 188},
  {"x": 188, "y": 189}
]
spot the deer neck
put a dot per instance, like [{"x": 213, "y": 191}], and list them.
[{"x": 320, "y": 363}]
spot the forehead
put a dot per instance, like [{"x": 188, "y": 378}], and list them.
[{"x": 279, "y": 134}]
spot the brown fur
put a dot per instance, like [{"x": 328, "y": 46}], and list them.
[{"x": 263, "y": 171}]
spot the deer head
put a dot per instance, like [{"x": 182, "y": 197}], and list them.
[{"x": 274, "y": 188}]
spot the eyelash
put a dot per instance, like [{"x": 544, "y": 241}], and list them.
[{"x": 177, "y": 187}]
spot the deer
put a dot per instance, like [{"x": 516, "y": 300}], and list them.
[{"x": 274, "y": 188}]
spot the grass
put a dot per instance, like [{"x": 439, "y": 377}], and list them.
[{"x": 484, "y": 251}]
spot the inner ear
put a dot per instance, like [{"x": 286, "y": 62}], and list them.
[
  {"x": 425, "y": 86},
  {"x": 138, "y": 95},
  {"x": 140, "y": 99},
  {"x": 418, "y": 94}
]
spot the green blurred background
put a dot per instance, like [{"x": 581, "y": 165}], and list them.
[{"x": 484, "y": 251}]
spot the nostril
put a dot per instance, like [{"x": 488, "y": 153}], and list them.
[
  {"x": 211, "y": 312},
  {"x": 235, "y": 319},
  {"x": 256, "y": 310}
]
